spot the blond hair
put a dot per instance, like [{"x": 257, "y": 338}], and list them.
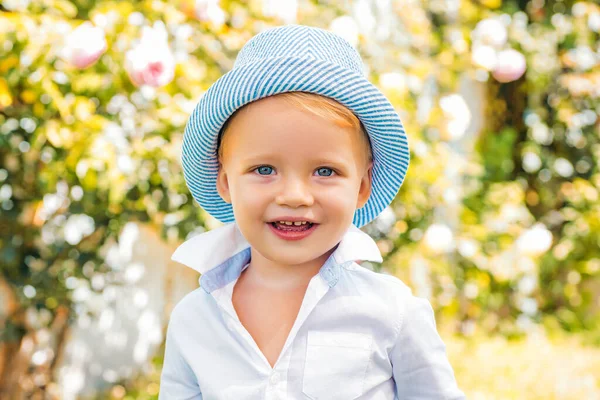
[{"x": 321, "y": 106}]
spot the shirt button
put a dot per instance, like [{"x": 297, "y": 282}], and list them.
[{"x": 275, "y": 378}]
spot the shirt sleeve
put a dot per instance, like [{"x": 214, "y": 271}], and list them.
[
  {"x": 177, "y": 380},
  {"x": 420, "y": 366}
]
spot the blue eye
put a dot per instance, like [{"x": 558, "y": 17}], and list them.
[
  {"x": 327, "y": 171},
  {"x": 264, "y": 170}
]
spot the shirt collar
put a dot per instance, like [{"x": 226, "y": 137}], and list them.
[
  {"x": 207, "y": 250},
  {"x": 214, "y": 251}
]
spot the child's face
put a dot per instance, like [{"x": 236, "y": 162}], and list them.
[{"x": 309, "y": 168}]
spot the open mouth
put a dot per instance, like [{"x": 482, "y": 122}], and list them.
[{"x": 291, "y": 228}]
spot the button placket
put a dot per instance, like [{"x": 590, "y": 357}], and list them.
[
  {"x": 275, "y": 378},
  {"x": 276, "y": 386}
]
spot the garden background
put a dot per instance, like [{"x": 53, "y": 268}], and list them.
[{"x": 497, "y": 223}]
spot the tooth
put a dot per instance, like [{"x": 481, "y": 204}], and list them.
[
  {"x": 288, "y": 223},
  {"x": 298, "y": 223}
]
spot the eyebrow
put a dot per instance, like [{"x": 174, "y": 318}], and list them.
[
  {"x": 341, "y": 163},
  {"x": 263, "y": 158},
  {"x": 270, "y": 156}
]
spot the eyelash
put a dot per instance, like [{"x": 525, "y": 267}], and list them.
[{"x": 324, "y": 176}]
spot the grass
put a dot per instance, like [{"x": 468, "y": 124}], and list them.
[{"x": 535, "y": 368}]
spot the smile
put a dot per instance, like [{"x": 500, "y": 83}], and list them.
[
  {"x": 292, "y": 230},
  {"x": 289, "y": 223}
]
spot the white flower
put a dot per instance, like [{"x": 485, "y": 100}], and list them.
[
  {"x": 78, "y": 226},
  {"x": 81, "y": 294},
  {"x": 392, "y": 81},
  {"x": 504, "y": 266},
  {"x": 134, "y": 272},
  {"x": 439, "y": 238},
  {"x": 5, "y": 192},
  {"x": 490, "y": 31},
  {"x": 541, "y": 133},
  {"x": 346, "y": 27},
  {"x": 584, "y": 57},
  {"x": 51, "y": 203},
  {"x": 484, "y": 56},
  {"x": 84, "y": 45},
  {"x": 510, "y": 66},
  {"x": 531, "y": 162},
  {"x": 468, "y": 247},
  {"x": 284, "y": 10},
  {"x": 151, "y": 61},
  {"x": 535, "y": 241},
  {"x": 364, "y": 16},
  {"x": 471, "y": 290},
  {"x": 16, "y": 5},
  {"x": 125, "y": 164},
  {"x": 594, "y": 21},
  {"x": 209, "y": 10},
  {"x": 458, "y": 114},
  {"x": 528, "y": 306},
  {"x": 563, "y": 167},
  {"x": 527, "y": 284},
  {"x": 385, "y": 220}
]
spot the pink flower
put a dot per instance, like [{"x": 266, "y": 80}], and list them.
[
  {"x": 510, "y": 66},
  {"x": 84, "y": 45},
  {"x": 151, "y": 61}
]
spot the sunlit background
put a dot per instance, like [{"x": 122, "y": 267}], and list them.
[{"x": 497, "y": 223}]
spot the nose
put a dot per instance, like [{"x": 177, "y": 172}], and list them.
[{"x": 295, "y": 193}]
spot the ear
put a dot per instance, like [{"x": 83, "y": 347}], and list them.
[
  {"x": 364, "y": 190},
  {"x": 223, "y": 185}
]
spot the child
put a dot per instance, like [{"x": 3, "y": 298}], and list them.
[{"x": 294, "y": 150}]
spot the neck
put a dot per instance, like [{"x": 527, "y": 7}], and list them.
[{"x": 271, "y": 275}]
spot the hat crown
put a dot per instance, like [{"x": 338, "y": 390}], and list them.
[{"x": 303, "y": 42}]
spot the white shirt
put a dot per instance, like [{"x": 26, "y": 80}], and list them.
[{"x": 358, "y": 335}]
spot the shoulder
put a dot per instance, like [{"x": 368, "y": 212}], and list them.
[
  {"x": 387, "y": 291},
  {"x": 188, "y": 308},
  {"x": 413, "y": 316},
  {"x": 384, "y": 284}
]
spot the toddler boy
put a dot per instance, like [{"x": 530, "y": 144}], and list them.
[{"x": 295, "y": 150}]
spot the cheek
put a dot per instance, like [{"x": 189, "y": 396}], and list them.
[
  {"x": 248, "y": 198},
  {"x": 338, "y": 200}
]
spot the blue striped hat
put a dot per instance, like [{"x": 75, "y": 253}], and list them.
[{"x": 295, "y": 58}]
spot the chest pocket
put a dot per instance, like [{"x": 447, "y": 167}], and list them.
[{"x": 336, "y": 365}]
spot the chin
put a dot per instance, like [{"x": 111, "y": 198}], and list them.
[{"x": 294, "y": 257}]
